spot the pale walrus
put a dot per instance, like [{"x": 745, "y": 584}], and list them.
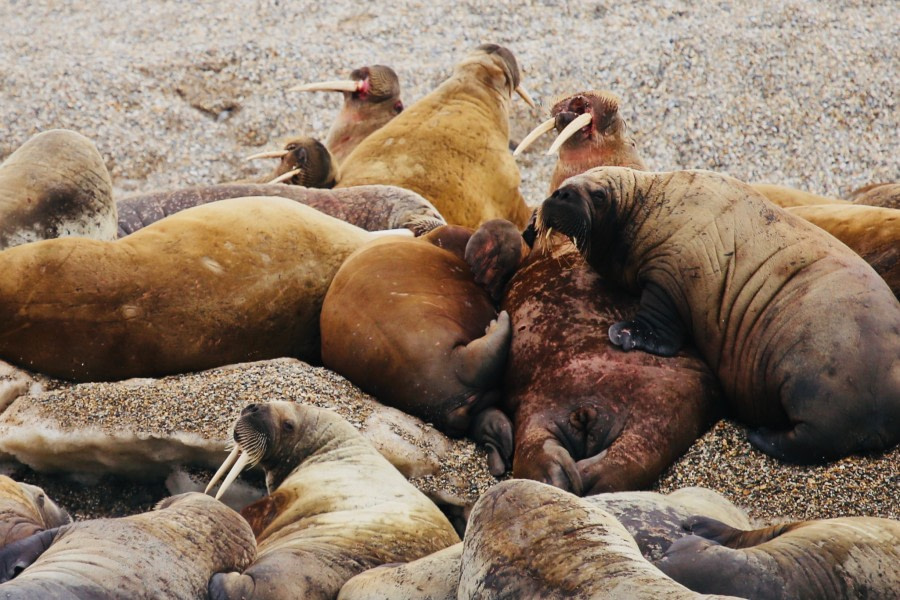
[
  {"x": 405, "y": 320},
  {"x": 371, "y": 207},
  {"x": 371, "y": 99},
  {"x": 530, "y": 540},
  {"x": 885, "y": 195},
  {"x": 829, "y": 559},
  {"x": 55, "y": 185},
  {"x": 452, "y": 146},
  {"x": 433, "y": 577},
  {"x": 234, "y": 281},
  {"x": 336, "y": 506},
  {"x": 25, "y": 510},
  {"x": 790, "y": 319},
  {"x": 304, "y": 161},
  {"x": 169, "y": 553}
]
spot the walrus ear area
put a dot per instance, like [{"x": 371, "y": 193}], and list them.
[
  {"x": 657, "y": 327},
  {"x": 262, "y": 512}
]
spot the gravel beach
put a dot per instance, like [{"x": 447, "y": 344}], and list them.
[{"x": 796, "y": 93}]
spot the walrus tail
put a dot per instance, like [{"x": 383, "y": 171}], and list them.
[
  {"x": 731, "y": 537},
  {"x": 231, "y": 586}
]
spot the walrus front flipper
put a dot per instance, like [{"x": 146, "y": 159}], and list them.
[
  {"x": 18, "y": 556},
  {"x": 494, "y": 430},
  {"x": 796, "y": 445},
  {"x": 482, "y": 361},
  {"x": 732, "y": 537},
  {"x": 657, "y": 327}
]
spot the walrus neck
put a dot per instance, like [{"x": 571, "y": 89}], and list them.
[
  {"x": 493, "y": 100},
  {"x": 355, "y": 123}
]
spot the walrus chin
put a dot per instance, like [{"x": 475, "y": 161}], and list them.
[
  {"x": 250, "y": 443},
  {"x": 568, "y": 210}
]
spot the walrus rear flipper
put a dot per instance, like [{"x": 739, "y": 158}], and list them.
[
  {"x": 480, "y": 363},
  {"x": 731, "y": 537},
  {"x": 656, "y": 328},
  {"x": 797, "y": 445},
  {"x": 494, "y": 430},
  {"x": 19, "y": 555},
  {"x": 230, "y": 586}
]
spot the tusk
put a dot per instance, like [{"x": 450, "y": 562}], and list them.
[
  {"x": 242, "y": 461},
  {"x": 525, "y": 96},
  {"x": 328, "y": 86},
  {"x": 533, "y": 135},
  {"x": 270, "y": 154},
  {"x": 225, "y": 466},
  {"x": 582, "y": 120},
  {"x": 286, "y": 176},
  {"x": 401, "y": 231}
]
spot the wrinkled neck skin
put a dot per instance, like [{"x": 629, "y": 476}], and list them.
[
  {"x": 614, "y": 149},
  {"x": 356, "y": 121}
]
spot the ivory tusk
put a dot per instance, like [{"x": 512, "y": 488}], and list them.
[
  {"x": 270, "y": 154},
  {"x": 574, "y": 126},
  {"x": 401, "y": 231},
  {"x": 533, "y": 135},
  {"x": 523, "y": 93},
  {"x": 328, "y": 86},
  {"x": 242, "y": 461},
  {"x": 286, "y": 176},
  {"x": 225, "y": 466}
]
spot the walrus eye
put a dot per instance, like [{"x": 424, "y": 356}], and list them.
[
  {"x": 291, "y": 147},
  {"x": 288, "y": 426},
  {"x": 599, "y": 196}
]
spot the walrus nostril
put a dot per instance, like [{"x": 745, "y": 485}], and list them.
[{"x": 250, "y": 409}]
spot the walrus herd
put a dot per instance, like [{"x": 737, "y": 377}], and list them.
[{"x": 586, "y": 344}]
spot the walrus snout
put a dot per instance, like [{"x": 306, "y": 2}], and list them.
[{"x": 567, "y": 210}]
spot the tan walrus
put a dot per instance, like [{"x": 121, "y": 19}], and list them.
[
  {"x": 234, "y": 281},
  {"x": 169, "y": 553},
  {"x": 787, "y": 197},
  {"x": 452, "y": 146},
  {"x": 303, "y": 161},
  {"x": 885, "y": 195},
  {"x": 829, "y": 559},
  {"x": 371, "y": 99},
  {"x": 25, "y": 510},
  {"x": 790, "y": 319},
  {"x": 336, "y": 506},
  {"x": 55, "y": 185}
]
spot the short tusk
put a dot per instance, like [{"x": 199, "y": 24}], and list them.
[
  {"x": 403, "y": 231},
  {"x": 582, "y": 120},
  {"x": 286, "y": 176},
  {"x": 523, "y": 93},
  {"x": 270, "y": 154},
  {"x": 329, "y": 86},
  {"x": 242, "y": 461},
  {"x": 533, "y": 135},
  {"x": 225, "y": 466}
]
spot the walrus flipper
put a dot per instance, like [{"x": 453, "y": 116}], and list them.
[
  {"x": 493, "y": 429},
  {"x": 482, "y": 361},
  {"x": 732, "y": 537},
  {"x": 19, "y": 555},
  {"x": 803, "y": 444},
  {"x": 657, "y": 328},
  {"x": 230, "y": 586}
]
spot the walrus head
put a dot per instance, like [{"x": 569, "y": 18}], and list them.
[
  {"x": 305, "y": 161},
  {"x": 502, "y": 70},
  {"x": 375, "y": 84}
]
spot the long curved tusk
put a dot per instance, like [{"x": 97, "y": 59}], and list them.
[
  {"x": 225, "y": 466},
  {"x": 286, "y": 176},
  {"x": 270, "y": 154},
  {"x": 328, "y": 86},
  {"x": 525, "y": 96},
  {"x": 242, "y": 461},
  {"x": 579, "y": 122},
  {"x": 533, "y": 135}
]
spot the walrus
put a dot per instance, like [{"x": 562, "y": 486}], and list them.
[
  {"x": 25, "y": 510},
  {"x": 336, "y": 507},
  {"x": 790, "y": 320},
  {"x": 530, "y": 540},
  {"x": 433, "y": 577},
  {"x": 55, "y": 185},
  {"x": 452, "y": 146},
  {"x": 234, "y": 281},
  {"x": 371, "y": 207},
  {"x": 885, "y": 195},
  {"x": 168, "y": 553},
  {"x": 787, "y": 197},
  {"x": 405, "y": 320},
  {"x": 304, "y": 161},
  {"x": 872, "y": 232},
  {"x": 371, "y": 99},
  {"x": 850, "y": 557}
]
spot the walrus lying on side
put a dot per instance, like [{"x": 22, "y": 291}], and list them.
[
  {"x": 803, "y": 335},
  {"x": 885, "y": 195},
  {"x": 25, "y": 510},
  {"x": 55, "y": 185},
  {"x": 169, "y": 553},
  {"x": 787, "y": 197},
  {"x": 304, "y": 161},
  {"x": 336, "y": 506},
  {"x": 829, "y": 559}
]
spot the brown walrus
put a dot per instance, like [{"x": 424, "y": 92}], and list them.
[
  {"x": 405, "y": 320},
  {"x": 371, "y": 207},
  {"x": 336, "y": 506},
  {"x": 885, "y": 195},
  {"x": 168, "y": 553},
  {"x": 218, "y": 284},
  {"x": 371, "y": 99},
  {"x": 791, "y": 320},
  {"x": 304, "y": 161},
  {"x": 25, "y": 510},
  {"x": 829, "y": 559},
  {"x": 452, "y": 146},
  {"x": 530, "y": 540},
  {"x": 55, "y": 185}
]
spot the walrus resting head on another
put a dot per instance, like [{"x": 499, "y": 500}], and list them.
[
  {"x": 850, "y": 557},
  {"x": 304, "y": 161},
  {"x": 168, "y": 553},
  {"x": 25, "y": 510},
  {"x": 371, "y": 99},
  {"x": 789, "y": 318},
  {"x": 336, "y": 506}
]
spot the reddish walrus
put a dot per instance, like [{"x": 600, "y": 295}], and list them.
[
  {"x": 802, "y": 333},
  {"x": 452, "y": 146}
]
